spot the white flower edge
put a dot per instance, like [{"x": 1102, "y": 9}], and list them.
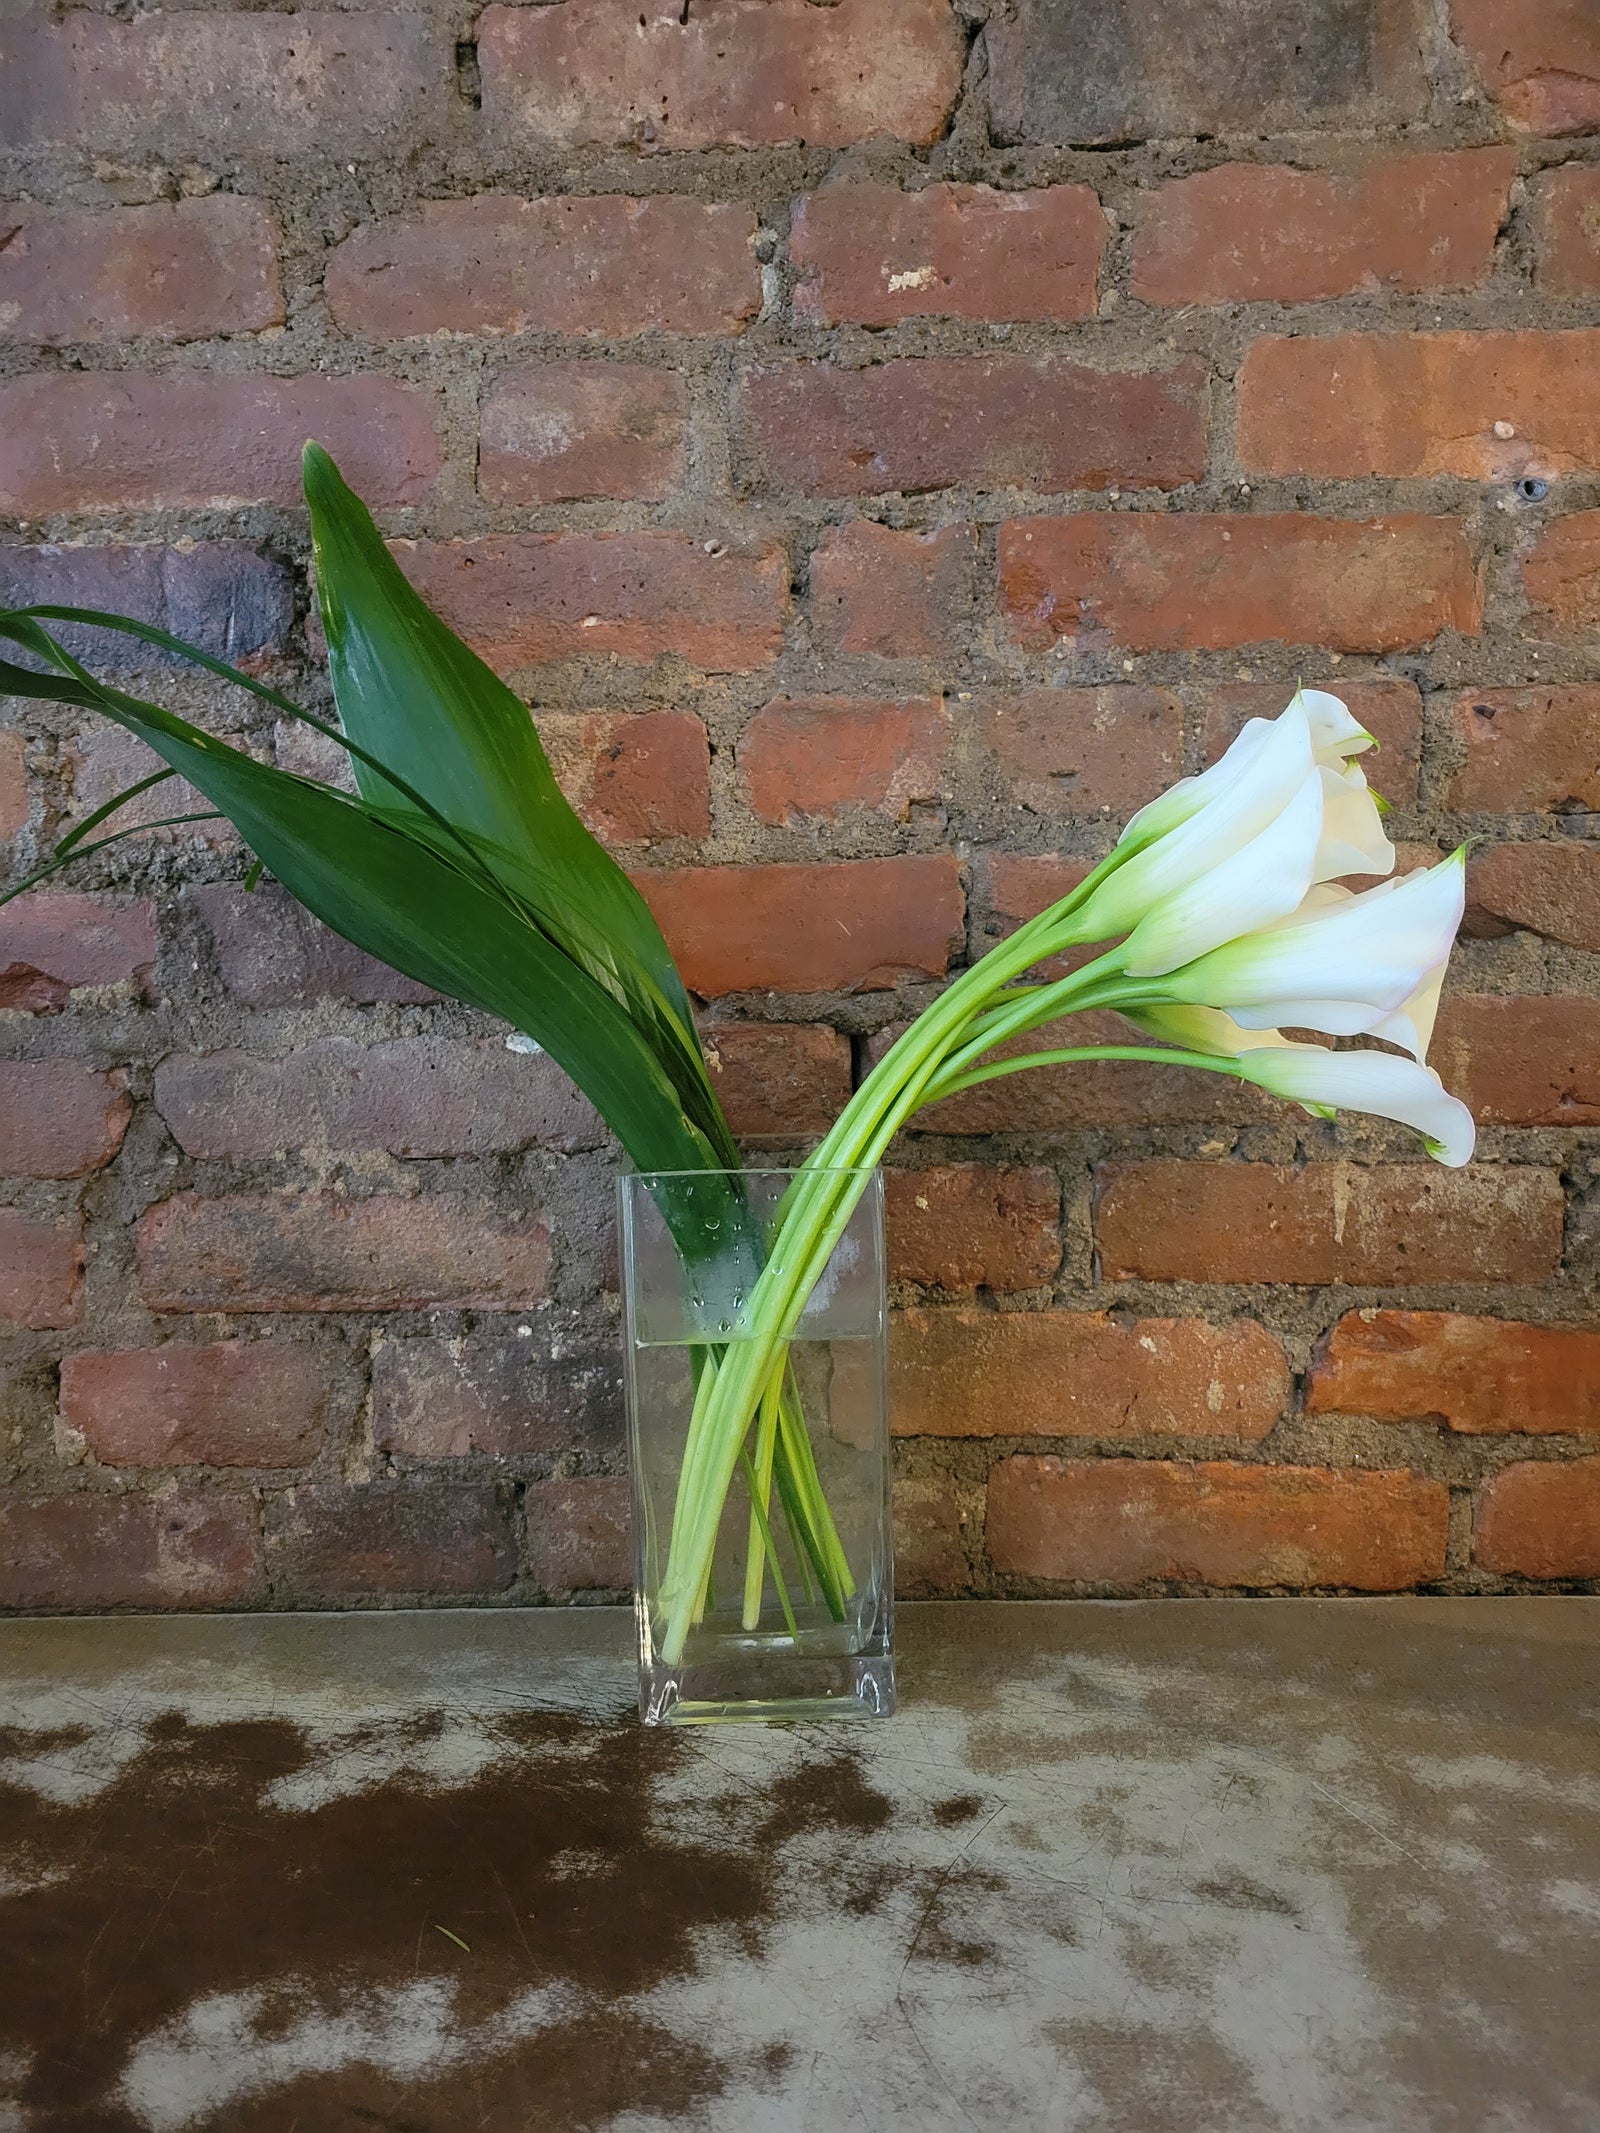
[{"x": 1376, "y": 1082}]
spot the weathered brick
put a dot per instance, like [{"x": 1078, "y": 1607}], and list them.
[
  {"x": 572, "y": 430},
  {"x": 600, "y": 264},
  {"x": 1528, "y": 748},
  {"x": 1539, "y": 58},
  {"x": 1198, "y": 580},
  {"x": 965, "y": 1226},
  {"x": 578, "y": 1535},
  {"x": 874, "y": 255},
  {"x": 58, "y": 1119},
  {"x": 179, "y": 271},
  {"x": 1551, "y": 888},
  {"x": 632, "y": 775},
  {"x": 1478, "y": 1375},
  {"x": 448, "y": 1399},
  {"x": 423, "y": 1537},
  {"x": 1140, "y": 71},
  {"x": 319, "y": 1252},
  {"x": 996, "y": 422},
  {"x": 414, "y": 1096},
  {"x": 778, "y": 1080},
  {"x": 53, "y": 941},
  {"x": 273, "y": 953},
  {"x": 522, "y": 599},
  {"x": 91, "y": 1550},
  {"x": 122, "y": 441},
  {"x": 225, "y": 597},
  {"x": 233, "y": 1403},
  {"x": 15, "y": 805},
  {"x": 1541, "y": 1519},
  {"x": 817, "y": 757},
  {"x": 850, "y": 925},
  {"x": 1263, "y": 232},
  {"x": 1561, "y": 576},
  {"x": 1421, "y": 403},
  {"x": 1121, "y": 1521},
  {"x": 899, "y": 595},
  {"x": 1520, "y": 1059},
  {"x": 41, "y": 1270},
  {"x": 930, "y": 1558},
  {"x": 1081, "y": 1374},
  {"x": 643, "y": 72},
  {"x": 1081, "y": 751},
  {"x": 105, "y": 760},
  {"x": 1390, "y": 709},
  {"x": 1387, "y": 1225},
  {"x": 250, "y": 83},
  {"x": 1569, "y": 230}
]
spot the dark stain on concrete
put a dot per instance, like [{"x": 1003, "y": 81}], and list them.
[{"x": 960, "y": 1807}]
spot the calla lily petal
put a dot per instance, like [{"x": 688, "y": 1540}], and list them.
[
  {"x": 1376, "y": 1082},
  {"x": 1262, "y": 881},
  {"x": 1353, "y": 840},
  {"x": 1200, "y": 1029},
  {"x": 1334, "y": 733}
]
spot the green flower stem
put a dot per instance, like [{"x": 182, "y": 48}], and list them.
[
  {"x": 1206, "y": 1062},
  {"x": 760, "y": 1498}
]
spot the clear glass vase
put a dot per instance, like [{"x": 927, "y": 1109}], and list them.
[{"x": 792, "y": 1608}]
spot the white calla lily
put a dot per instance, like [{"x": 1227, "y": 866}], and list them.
[
  {"x": 1334, "y": 733},
  {"x": 1200, "y": 1029},
  {"x": 1368, "y": 965},
  {"x": 1377, "y": 1082}
]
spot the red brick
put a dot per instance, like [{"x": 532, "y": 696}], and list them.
[
  {"x": 1552, "y": 888},
  {"x": 1098, "y": 751},
  {"x": 573, "y": 430},
  {"x": 1121, "y": 1521},
  {"x": 1562, "y": 575},
  {"x": 1260, "y": 232},
  {"x": 319, "y": 1252},
  {"x": 930, "y": 1557},
  {"x": 238, "y": 84},
  {"x": 52, "y": 942},
  {"x": 121, "y": 441},
  {"x": 58, "y": 1119},
  {"x": 1478, "y": 1375},
  {"x": 1082, "y": 1374},
  {"x": 175, "y": 272},
  {"x": 273, "y": 953},
  {"x": 234, "y": 1403},
  {"x": 579, "y": 1535},
  {"x": 1541, "y": 1519},
  {"x": 419, "y": 1537},
  {"x": 643, "y": 72},
  {"x": 778, "y": 1080},
  {"x": 875, "y": 255},
  {"x": 522, "y": 599},
  {"x": 855, "y": 925},
  {"x": 995, "y": 422},
  {"x": 1383, "y": 1226},
  {"x": 1528, "y": 748},
  {"x": 1198, "y": 580},
  {"x": 92, "y": 1550},
  {"x": 964, "y": 1226},
  {"x": 105, "y": 760},
  {"x": 633, "y": 776},
  {"x": 1539, "y": 58},
  {"x": 225, "y": 597},
  {"x": 1390, "y": 709},
  {"x": 41, "y": 1270},
  {"x": 818, "y": 757},
  {"x": 899, "y": 595},
  {"x": 15, "y": 805},
  {"x": 1569, "y": 230},
  {"x": 599, "y": 264},
  {"x": 414, "y": 1096},
  {"x": 1420, "y": 404},
  {"x": 449, "y": 1399},
  {"x": 1520, "y": 1060}
]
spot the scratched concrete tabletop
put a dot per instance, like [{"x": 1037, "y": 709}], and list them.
[{"x": 1178, "y": 1867}]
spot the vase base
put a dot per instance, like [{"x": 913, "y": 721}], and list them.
[{"x": 738, "y": 1688}]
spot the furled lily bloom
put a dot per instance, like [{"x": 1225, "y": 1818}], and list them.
[
  {"x": 1377, "y": 1082},
  {"x": 1368, "y": 965},
  {"x": 1237, "y": 849},
  {"x": 1200, "y": 1029}
]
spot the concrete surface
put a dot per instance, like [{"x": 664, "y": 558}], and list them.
[{"x": 1213, "y": 1867}]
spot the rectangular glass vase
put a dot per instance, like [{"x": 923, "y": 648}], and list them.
[{"x": 792, "y": 1616}]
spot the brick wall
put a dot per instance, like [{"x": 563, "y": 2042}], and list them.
[{"x": 883, "y": 444}]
